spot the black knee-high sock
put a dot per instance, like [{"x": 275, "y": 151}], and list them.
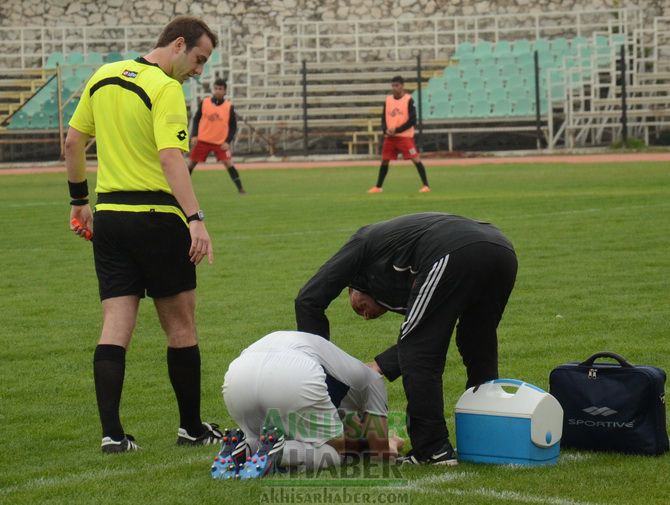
[
  {"x": 184, "y": 371},
  {"x": 109, "y": 365},
  {"x": 422, "y": 172},
  {"x": 235, "y": 177},
  {"x": 383, "y": 170}
]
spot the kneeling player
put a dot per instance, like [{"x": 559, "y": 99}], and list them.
[{"x": 284, "y": 392}]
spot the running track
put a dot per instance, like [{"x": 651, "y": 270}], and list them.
[{"x": 446, "y": 162}]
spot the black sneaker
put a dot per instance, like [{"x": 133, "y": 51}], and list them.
[
  {"x": 445, "y": 456},
  {"x": 232, "y": 455},
  {"x": 211, "y": 435},
  {"x": 268, "y": 457},
  {"x": 126, "y": 444}
]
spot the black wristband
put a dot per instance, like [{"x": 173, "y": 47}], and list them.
[
  {"x": 78, "y": 189},
  {"x": 78, "y": 202}
]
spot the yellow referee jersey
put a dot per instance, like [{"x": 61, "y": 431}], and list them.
[{"x": 134, "y": 110}]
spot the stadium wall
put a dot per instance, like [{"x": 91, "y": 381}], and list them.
[{"x": 252, "y": 18}]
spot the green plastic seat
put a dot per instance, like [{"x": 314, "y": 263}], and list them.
[
  {"x": 559, "y": 46},
  {"x": 541, "y": 46},
  {"x": 39, "y": 121},
  {"x": 113, "y": 56},
  {"x": 55, "y": 58},
  {"x": 20, "y": 120},
  {"x": 68, "y": 110},
  {"x": 451, "y": 72},
  {"x": 523, "y": 107},
  {"x": 502, "y": 48},
  {"x": 497, "y": 93},
  {"x": 481, "y": 108},
  {"x": 74, "y": 58},
  {"x": 577, "y": 42},
  {"x": 83, "y": 73},
  {"x": 483, "y": 49},
  {"x": 521, "y": 46},
  {"x": 94, "y": 58},
  {"x": 440, "y": 109},
  {"x": 460, "y": 109},
  {"x": 50, "y": 107},
  {"x": 517, "y": 90},
  {"x": 131, "y": 55},
  {"x": 502, "y": 107},
  {"x": 465, "y": 50},
  {"x": 457, "y": 93}
]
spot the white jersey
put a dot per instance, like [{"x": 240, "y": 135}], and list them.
[{"x": 348, "y": 379}]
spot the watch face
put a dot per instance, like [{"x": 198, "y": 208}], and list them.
[{"x": 201, "y": 215}]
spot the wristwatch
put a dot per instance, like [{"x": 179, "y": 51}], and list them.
[{"x": 198, "y": 216}]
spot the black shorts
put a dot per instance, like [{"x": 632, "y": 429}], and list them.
[{"x": 138, "y": 252}]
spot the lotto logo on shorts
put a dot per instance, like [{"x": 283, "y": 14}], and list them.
[
  {"x": 130, "y": 74},
  {"x": 412, "y": 151}
]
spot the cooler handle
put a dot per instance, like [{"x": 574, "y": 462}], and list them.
[
  {"x": 517, "y": 383},
  {"x": 606, "y": 354}
]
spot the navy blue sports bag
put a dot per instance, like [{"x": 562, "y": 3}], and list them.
[{"x": 611, "y": 406}]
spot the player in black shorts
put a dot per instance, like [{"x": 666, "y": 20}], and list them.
[
  {"x": 148, "y": 231},
  {"x": 435, "y": 269}
]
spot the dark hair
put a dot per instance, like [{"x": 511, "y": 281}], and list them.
[
  {"x": 399, "y": 79},
  {"x": 221, "y": 82},
  {"x": 189, "y": 27}
]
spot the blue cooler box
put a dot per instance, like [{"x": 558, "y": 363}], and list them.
[{"x": 520, "y": 428}]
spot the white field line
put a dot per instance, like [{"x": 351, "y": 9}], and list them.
[
  {"x": 93, "y": 475},
  {"x": 429, "y": 485},
  {"x": 514, "y": 496}
]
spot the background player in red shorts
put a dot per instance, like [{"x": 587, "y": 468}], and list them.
[
  {"x": 398, "y": 122},
  {"x": 214, "y": 128}
]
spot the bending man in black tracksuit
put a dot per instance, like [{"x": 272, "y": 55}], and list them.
[{"x": 435, "y": 269}]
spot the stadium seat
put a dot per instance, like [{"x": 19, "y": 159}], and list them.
[
  {"x": 451, "y": 72},
  {"x": 481, "y": 108},
  {"x": 113, "y": 56},
  {"x": 55, "y": 58},
  {"x": 440, "y": 109},
  {"x": 460, "y": 109},
  {"x": 40, "y": 121},
  {"x": 520, "y": 46},
  {"x": 497, "y": 93},
  {"x": 541, "y": 46},
  {"x": 83, "y": 73},
  {"x": 457, "y": 93},
  {"x": 483, "y": 49},
  {"x": 502, "y": 48},
  {"x": 559, "y": 46},
  {"x": 50, "y": 107},
  {"x": 74, "y": 58},
  {"x": 576, "y": 42},
  {"x": 131, "y": 55},
  {"x": 464, "y": 50},
  {"x": 517, "y": 90},
  {"x": 94, "y": 58},
  {"x": 20, "y": 121},
  {"x": 502, "y": 107},
  {"x": 68, "y": 110},
  {"x": 523, "y": 107}
]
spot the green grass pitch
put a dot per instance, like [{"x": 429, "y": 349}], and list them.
[{"x": 593, "y": 243}]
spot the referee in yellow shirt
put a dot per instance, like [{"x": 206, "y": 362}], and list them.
[{"x": 148, "y": 228}]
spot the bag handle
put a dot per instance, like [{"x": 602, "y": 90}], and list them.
[{"x": 606, "y": 354}]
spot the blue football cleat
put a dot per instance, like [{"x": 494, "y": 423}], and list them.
[
  {"x": 232, "y": 455},
  {"x": 268, "y": 457}
]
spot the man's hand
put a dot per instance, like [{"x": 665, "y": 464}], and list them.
[
  {"x": 83, "y": 214},
  {"x": 390, "y": 132},
  {"x": 201, "y": 244},
  {"x": 225, "y": 146},
  {"x": 374, "y": 366},
  {"x": 395, "y": 445},
  {"x": 194, "y": 141}
]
